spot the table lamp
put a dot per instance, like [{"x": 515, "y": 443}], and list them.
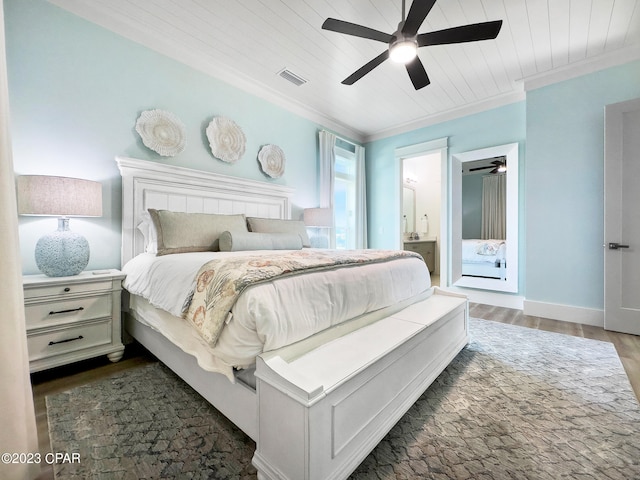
[
  {"x": 63, "y": 252},
  {"x": 318, "y": 218}
]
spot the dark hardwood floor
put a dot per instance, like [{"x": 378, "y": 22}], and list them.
[{"x": 64, "y": 378}]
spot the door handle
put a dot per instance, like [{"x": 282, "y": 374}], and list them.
[{"x": 616, "y": 246}]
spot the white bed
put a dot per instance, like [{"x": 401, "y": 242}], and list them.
[
  {"x": 315, "y": 407},
  {"x": 484, "y": 258}
]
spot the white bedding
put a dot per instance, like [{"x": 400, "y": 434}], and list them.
[
  {"x": 269, "y": 315},
  {"x": 483, "y": 251}
]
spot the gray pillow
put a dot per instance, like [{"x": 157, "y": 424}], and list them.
[
  {"x": 276, "y": 225},
  {"x": 239, "y": 241},
  {"x": 180, "y": 232}
]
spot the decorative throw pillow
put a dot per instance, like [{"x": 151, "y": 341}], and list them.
[
  {"x": 488, "y": 247},
  {"x": 148, "y": 231},
  {"x": 239, "y": 241},
  {"x": 180, "y": 232},
  {"x": 276, "y": 225}
]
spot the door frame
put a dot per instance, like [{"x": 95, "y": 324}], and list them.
[{"x": 439, "y": 146}]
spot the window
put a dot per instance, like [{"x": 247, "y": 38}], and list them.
[
  {"x": 342, "y": 187},
  {"x": 344, "y": 198}
]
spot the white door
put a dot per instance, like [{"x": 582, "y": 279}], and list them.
[{"x": 622, "y": 217}]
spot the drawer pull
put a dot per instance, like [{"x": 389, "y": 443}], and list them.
[
  {"x": 67, "y": 289},
  {"x": 79, "y": 309},
  {"x": 79, "y": 337}
]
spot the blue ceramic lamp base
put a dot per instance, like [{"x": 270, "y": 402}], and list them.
[{"x": 62, "y": 253}]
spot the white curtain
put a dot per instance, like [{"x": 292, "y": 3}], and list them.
[
  {"x": 327, "y": 174},
  {"x": 18, "y": 432},
  {"x": 361, "y": 199},
  {"x": 494, "y": 207}
]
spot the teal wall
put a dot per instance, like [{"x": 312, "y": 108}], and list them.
[
  {"x": 561, "y": 133},
  {"x": 498, "y": 126},
  {"x": 76, "y": 91},
  {"x": 565, "y": 185}
]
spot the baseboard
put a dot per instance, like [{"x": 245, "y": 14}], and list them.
[
  {"x": 566, "y": 313},
  {"x": 554, "y": 311},
  {"x": 486, "y": 297}
]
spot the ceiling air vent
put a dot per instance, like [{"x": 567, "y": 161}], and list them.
[{"x": 288, "y": 75}]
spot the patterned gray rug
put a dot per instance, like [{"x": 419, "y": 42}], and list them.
[{"x": 516, "y": 403}]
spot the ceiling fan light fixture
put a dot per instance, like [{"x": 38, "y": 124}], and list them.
[
  {"x": 402, "y": 45},
  {"x": 403, "y": 51}
]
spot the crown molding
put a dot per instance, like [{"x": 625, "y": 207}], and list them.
[
  {"x": 126, "y": 28},
  {"x": 469, "y": 109},
  {"x": 567, "y": 72},
  {"x": 130, "y": 30},
  {"x": 584, "y": 67}
]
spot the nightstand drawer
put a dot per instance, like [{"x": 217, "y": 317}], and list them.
[
  {"x": 65, "y": 311},
  {"x": 70, "y": 339},
  {"x": 66, "y": 289}
]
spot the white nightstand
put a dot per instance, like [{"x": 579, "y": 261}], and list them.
[{"x": 72, "y": 318}]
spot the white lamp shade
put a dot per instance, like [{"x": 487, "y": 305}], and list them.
[
  {"x": 59, "y": 196},
  {"x": 318, "y": 217},
  {"x": 63, "y": 252}
]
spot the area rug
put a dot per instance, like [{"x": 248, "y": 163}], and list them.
[{"x": 516, "y": 403}]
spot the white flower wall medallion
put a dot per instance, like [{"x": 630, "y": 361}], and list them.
[
  {"x": 226, "y": 139},
  {"x": 161, "y": 132},
  {"x": 271, "y": 158}
]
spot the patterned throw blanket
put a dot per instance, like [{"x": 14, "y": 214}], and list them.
[{"x": 220, "y": 282}]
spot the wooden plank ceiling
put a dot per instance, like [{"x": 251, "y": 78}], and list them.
[{"x": 247, "y": 42}]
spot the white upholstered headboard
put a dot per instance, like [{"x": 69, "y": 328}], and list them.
[{"x": 165, "y": 187}]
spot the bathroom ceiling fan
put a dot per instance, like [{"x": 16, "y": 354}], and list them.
[{"x": 405, "y": 41}]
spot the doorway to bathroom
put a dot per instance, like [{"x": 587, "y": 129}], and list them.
[{"x": 423, "y": 208}]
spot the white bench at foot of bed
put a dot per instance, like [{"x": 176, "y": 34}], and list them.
[{"x": 321, "y": 413}]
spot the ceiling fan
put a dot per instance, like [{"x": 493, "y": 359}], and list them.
[
  {"x": 497, "y": 166},
  {"x": 405, "y": 41}
]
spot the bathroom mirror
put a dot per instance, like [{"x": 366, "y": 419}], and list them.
[
  {"x": 486, "y": 198},
  {"x": 408, "y": 209}
]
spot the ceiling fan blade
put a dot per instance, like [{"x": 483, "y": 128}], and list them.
[
  {"x": 479, "y": 168},
  {"x": 349, "y": 28},
  {"x": 464, "y": 33},
  {"x": 417, "y": 13},
  {"x": 366, "y": 68},
  {"x": 418, "y": 74}
]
